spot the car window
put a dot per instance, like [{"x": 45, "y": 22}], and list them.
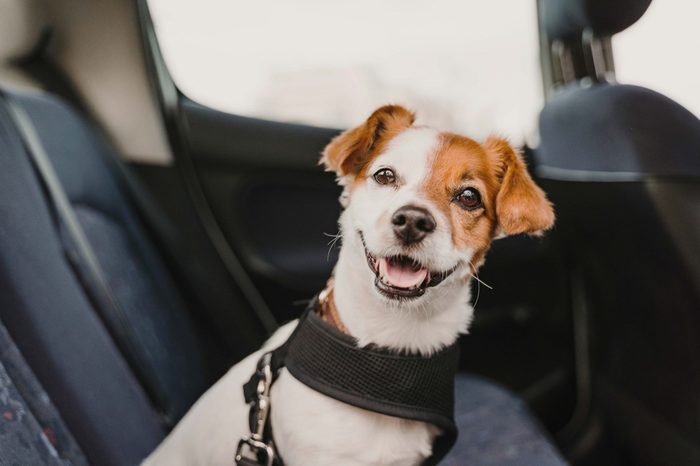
[
  {"x": 660, "y": 52},
  {"x": 465, "y": 65}
]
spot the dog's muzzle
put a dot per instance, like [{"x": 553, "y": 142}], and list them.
[{"x": 402, "y": 277}]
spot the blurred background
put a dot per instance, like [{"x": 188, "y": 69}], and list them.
[{"x": 470, "y": 66}]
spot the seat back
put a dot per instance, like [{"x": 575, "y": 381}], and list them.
[
  {"x": 622, "y": 166},
  {"x": 177, "y": 362},
  {"x": 47, "y": 313}
]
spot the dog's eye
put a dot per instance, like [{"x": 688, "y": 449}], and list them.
[
  {"x": 469, "y": 199},
  {"x": 385, "y": 176}
]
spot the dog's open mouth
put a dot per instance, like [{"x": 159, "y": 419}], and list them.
[{"x": 402, "y": 277}]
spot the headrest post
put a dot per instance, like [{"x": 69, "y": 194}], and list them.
[
  {"x": 562, "y": 60},
  {"x": 597, "y": 52}
]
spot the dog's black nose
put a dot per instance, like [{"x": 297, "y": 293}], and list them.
[{"x": 412, "y": 224}]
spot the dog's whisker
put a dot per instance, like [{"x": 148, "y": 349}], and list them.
[
  {"x": 476, "y": 276},
  {"x": 478, "y": 293},
  {"x": 480, "y": 281},
  {"x": 334, "y": 238},
  {"x": 332, "y": 243}
]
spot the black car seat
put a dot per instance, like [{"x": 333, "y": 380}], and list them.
[
  {"x": 622, "y": 165},
  {"x": 54, "y": 324}
]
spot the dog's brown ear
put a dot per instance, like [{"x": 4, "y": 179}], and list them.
[
  {"x": 348, "y": 152},
  {"x": 521, "y": 206}
]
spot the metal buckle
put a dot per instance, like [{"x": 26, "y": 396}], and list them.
[
  {"x": 261, "y": 409},
  {"x": 256, "y": 447}
]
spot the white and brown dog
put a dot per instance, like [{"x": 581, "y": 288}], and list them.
[{"x": 421, "y": 210}]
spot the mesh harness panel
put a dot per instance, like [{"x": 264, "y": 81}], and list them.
[{"x": 408, "y": 386}]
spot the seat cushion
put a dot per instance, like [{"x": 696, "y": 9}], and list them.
[
  {"x": 31, "y": 430},
  {"x": 19, "y": 430},
  {"x": 497, "y": 429}
]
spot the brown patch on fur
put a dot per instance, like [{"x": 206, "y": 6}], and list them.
[
  {"x": 512, "y": 202},
  {"x": 460, "y": 162},
  {"x": 521, "y": 206},
  {"x": 351, "y": 151}
]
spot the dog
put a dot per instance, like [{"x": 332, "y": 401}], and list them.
[{"x": 421, "y": 208}]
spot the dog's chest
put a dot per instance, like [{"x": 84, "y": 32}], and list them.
[{"x": 307, "y": 424}]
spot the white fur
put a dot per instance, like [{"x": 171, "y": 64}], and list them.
[{"x": 311, "y": 429}]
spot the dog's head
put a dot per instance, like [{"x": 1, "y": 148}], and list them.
[{"x": 426, "y": 205}]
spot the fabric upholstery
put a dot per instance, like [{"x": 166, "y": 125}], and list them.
[
  {"x": 567, "y": 19},
  {"x": 618, "y": 129},
  {"x": 31, "y": 430},
  {"x": 496, "y": 429},
  {"x": 55, "y": 327},
  {"x": 21, "y": 438},
  {"x": 165, "y": 333}
]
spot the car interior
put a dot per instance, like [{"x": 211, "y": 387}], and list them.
[{"x": 127, "y": 288}]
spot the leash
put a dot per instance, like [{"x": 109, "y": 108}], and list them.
[{"x": 404, "y": 385}]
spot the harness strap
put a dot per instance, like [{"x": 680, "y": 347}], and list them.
[{"x": 408, "y": 386}]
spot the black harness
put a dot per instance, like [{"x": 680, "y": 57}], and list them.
[{"x": 408, "y": 386}]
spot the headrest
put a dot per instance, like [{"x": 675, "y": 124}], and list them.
[
  {"x": 567, "y": 19},
  {"x": 22, "y": 23},
  {"x": 616, "y": 132}
]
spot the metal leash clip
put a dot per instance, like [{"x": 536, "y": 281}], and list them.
[{"x": 255, "y": 442}]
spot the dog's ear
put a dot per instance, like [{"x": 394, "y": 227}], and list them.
[
  {"x": 348, "y": 152},
  {"x": 521, "y": 206}
]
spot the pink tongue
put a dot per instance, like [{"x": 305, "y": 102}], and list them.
[{"x": 400, "y": 276}]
